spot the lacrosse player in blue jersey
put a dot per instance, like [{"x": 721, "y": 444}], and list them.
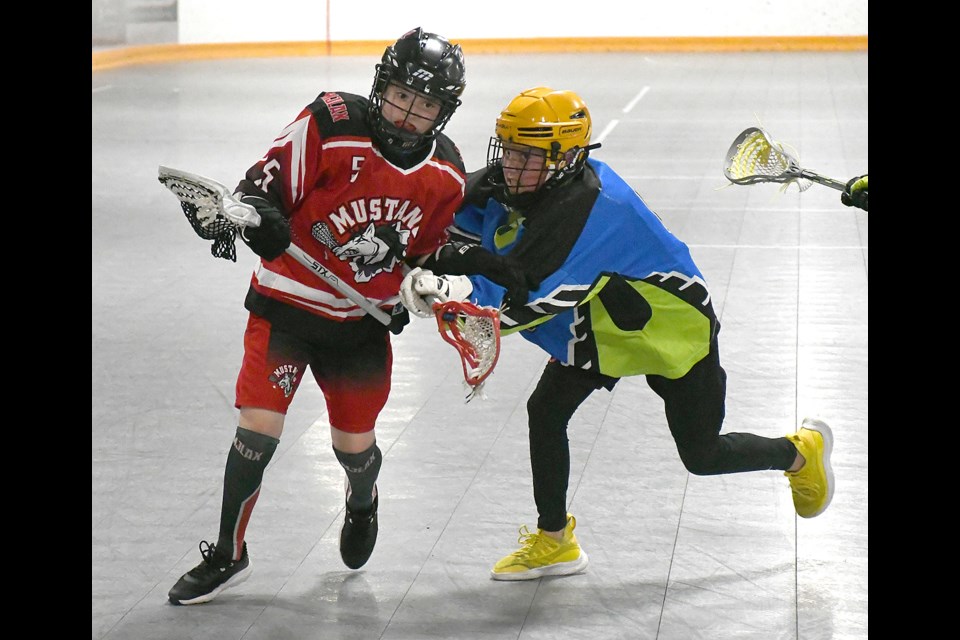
[{"x": 582, "y": 268}]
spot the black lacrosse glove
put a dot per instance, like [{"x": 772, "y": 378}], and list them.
[
  {"x": 507, "y": 272},
  {"x": 272, "y": 237},
  {"x": 399, "y": 318},
  {"x": 855, "y": 193},
  {"x": 462, "y": 258}
]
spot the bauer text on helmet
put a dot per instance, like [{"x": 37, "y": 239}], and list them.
[{"x": 554, "y": 124}]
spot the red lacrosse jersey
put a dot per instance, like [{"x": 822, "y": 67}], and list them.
[{"x": 350, "y": 208}]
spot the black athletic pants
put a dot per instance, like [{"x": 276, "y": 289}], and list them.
[{"x": 694, "y": 407}]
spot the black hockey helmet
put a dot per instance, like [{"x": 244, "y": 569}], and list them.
[{"x": 426, "y": 63}]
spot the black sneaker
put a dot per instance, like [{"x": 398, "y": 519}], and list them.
[
  {"x": 206, "y": 580},
  {"x": 358, "y": 535}
]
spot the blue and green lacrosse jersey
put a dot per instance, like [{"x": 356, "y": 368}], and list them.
[{"x": 627, "y": 299}]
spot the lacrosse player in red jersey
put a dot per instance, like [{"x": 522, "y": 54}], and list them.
[
  {"x": 612, "y": 293},
  {"x": 362, "y": 185}
]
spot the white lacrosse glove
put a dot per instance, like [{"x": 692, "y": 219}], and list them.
[{"x": 420, "y": 288}]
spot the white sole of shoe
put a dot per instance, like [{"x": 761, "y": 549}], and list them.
[
  {"x": 824, "y": 429},
  {"x": 232, "y": 582},
  {"x": 559, "y": 569}
]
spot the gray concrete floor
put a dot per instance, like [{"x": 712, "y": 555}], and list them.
[{"x": 673, "y": 556}]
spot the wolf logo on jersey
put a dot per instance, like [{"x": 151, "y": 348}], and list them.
[
  {"x": 284, "y": 377},
  {"x": 374, "y": 250}
]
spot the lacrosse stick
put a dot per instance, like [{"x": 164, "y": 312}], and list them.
[
  {"x": 474, "y": 332},
  {"x": 216, "y": 214},
  {"x": 754, "y": 157}
]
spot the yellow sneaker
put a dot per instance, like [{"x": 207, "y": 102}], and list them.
[
  {"x": 541, "y": 556},
  {"x": 812, "y": 485}
]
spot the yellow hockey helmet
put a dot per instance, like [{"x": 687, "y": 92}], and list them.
[{"x": 557, "y": 123}]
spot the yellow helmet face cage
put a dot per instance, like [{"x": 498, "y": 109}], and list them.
[{"x": 555, "y": 121}]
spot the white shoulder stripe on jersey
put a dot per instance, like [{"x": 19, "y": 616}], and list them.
[
  {"x": 296, "y": 134},
  {"x": 452, "y": 172},
  {"x": 427, "y": 161},
  {"x": 346, "y": 143}
]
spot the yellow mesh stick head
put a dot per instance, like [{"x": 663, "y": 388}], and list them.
[{"x": 754, "y": 157}]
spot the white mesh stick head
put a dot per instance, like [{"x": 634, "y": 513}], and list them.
[
  {"x": 209, "y": 197},
  {"x": 483, "y": 335},
  {"x": 205, "y": 201},
  {"x": 210, "y": 209},
  {"x": 475, "y": 332}
]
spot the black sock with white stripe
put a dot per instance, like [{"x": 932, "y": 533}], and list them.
[{"x": 248, "y": 458}]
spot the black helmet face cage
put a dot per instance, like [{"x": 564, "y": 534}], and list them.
[
  {"x": 511, "y": 188},
  {"x": 409, "y": 108},
  {"x": 424, "y": 63},
  {"x": 389, "y": 133},
  {"x": 519, "y": 157},
  {"x": 524, "y": 168}
]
